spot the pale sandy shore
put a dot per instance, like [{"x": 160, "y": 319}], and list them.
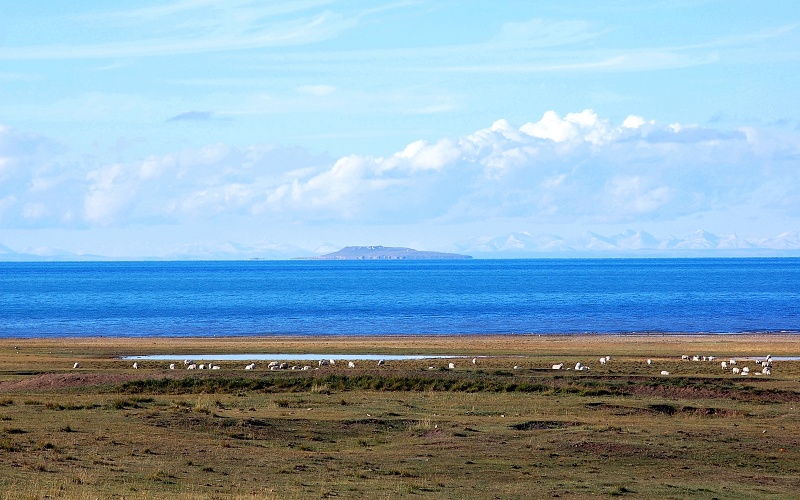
[{"x": 469, "y": 345}]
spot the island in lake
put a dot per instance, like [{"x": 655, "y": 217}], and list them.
[{"x": 387, "y": 253}]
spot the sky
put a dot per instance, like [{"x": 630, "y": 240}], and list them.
[{"x": 147, "y": 128}]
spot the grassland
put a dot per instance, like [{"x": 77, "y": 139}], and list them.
[{"x": 402, "y": 429}]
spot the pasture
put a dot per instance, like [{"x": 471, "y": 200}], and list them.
[{"x": 411, "y": 428}]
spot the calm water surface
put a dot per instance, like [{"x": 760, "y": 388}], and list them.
[{"x": 397, "y": 297}]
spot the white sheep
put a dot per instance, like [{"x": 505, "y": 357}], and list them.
[
  {"x": 736, "y": 370},
  {"x": 732, "y": 362},
  {"x": 272, "y": 363},
  {"x": 172, "y": 366},
  {"x": 322, "y": 362},
  {"x": 251, "y": 366},
  {"x": 558, "y": 366},
  {"x": 306, "y": 367},
  {"x": 135, "y": 366},
  {"x": 76, "y": 365},
  {"x": 191, "y": 366},
  {"x": 745, "y": 370},
  {"x": 350, "y": 364},
  {"x": 766, "y": 370},
  {"x": 187, "y": 362},
  {"x": 684, "y": 356},
  {"x": 664, "y": 372},
  {"x": 381, "y": 362},
  {"x": 579, "y": 366},
  {"x": 201, "y": 367},
  {"x": 215, "y": 367},
  {"x": 474, "y": 361},
  {"x": 649, "y": 361},
  {"x": 695, "y": 358},
  {"x": 724, "y": 365},
  {"x": 332, "y": 361},
  {"x": 516, "y": 367},
  {"x": 603, "y": 360},
  {"x": 451, "y": 366}
]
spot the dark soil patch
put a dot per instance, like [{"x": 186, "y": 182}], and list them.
[{"x": 538, "y": 425}]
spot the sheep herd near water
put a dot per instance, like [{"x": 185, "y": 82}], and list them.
[{"x": 766, "y": 365}]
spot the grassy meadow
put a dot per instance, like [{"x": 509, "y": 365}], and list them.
[{"x": 412, "y": 428}]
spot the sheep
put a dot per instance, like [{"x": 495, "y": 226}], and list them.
[
  {"x": 76, "y": 365},
  {"x": 608, "y": 358},
  {"x": 431, "y": 368},
  {"x": 579, "y": 366},
  {"x": 735, "y": 370},
  {"x": 272, "y": 363},
  {"x": 215, "y": 367},
  {"x": 187, "y": 362},
  {"x": 649, "y": 361},
  {"x": 191, "y": 366},
  {"x": 558, "y": 366},
  {"x": 474, "y": 361},
  {"x": 746, "y": 369},
  {"x": 712, "y": 358},
  {"x": 664, "y": 372},
  {"x": 251, "y": 366},
  {"x": 135, "y": 365},
  {"x": 724, "y": 365},
  {"x": 306, "y": 368},
  {"x": 211, "y": 366},
  {"x": 732, "y": 362},
  {"x": 766, "y": 371},
  {"x": 332, "y": 361},
  {"x": 172, "y": 366},
  {"x": 201, "y": 367},
  {"x": 275, "y": 368},
  {"x": 451, "y": 366},
  {"x": 684, "y": 356},
  {"x": 516, "y": 367},
  {"x": 350, "y": 364},
  {"x": 695, "y": 358},
  {"x": 283, "y": 366},
  {"x": 322, "y": 362},
  {"x": 381, "y": 362},
  {"x": 602, "y": 360}
]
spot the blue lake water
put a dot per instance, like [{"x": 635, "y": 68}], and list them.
[{"x": 46, "y": 299}]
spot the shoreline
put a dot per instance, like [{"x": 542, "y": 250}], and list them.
[{"x": 639, "y": 344}]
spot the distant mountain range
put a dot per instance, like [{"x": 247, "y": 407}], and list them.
[
  {"x": 631, "y": 243},
  {"x": 513, "y": 245}
]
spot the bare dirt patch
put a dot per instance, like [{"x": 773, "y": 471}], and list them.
[{"x": 57, "y": 381}]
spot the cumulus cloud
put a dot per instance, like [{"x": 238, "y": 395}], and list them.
[{"x": 577, "y": 167}]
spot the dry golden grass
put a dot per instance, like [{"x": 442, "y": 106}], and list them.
[{"x": 401, "y": 430}]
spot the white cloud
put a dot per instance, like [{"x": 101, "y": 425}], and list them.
[{"x": 579, "y": 167}]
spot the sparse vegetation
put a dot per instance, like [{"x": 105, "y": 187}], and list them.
[{"x": 618, "y": 430}]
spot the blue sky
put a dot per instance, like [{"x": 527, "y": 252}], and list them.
[{"x": 140, "y": 128}]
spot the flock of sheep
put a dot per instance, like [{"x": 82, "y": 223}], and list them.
[{"x": 766, "y": 365}]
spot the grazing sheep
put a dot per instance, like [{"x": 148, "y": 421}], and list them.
[
  {"x": 187, "y": 362},
  {"x": 695, "y": 358},
  {"x": 603, "y": 360},
  {"x": 172, "y": 366},
  {"x": 332, "y": 361},
  {"x": 381, "y": 362},
  {"x": 283, "y": 366},
  {"x": 558, "y": 366},
  {"x": 732, "y": 362},
  {"x": 736, "y": 370},
  {"x": 350, "y": 364},
  {"x": 251, "y": 366},
  {"x": 745, "y": 370},
  {"x": 431, "y": 368},
  {"x": 724, "y": 365},
  {"x": 451, "y": 366},
  {"x": 712, "y": 358},
  {"x": 766, "y": 371},
  {"x": 272, "y": 363},
  {"x": 191, "y": 366},
  {"x": 474, "y": 361},
  {"x": 135, "y": 366},
  {"x": 306, "y": 368},
  {"x": 649, "y": 361},
  {"x": 76, "y": 365},
  {"x": 664, "y": 372},
  {"x": 516, "y": 367},
  {"x": 579, "y": 366},
  {"x": 684, "y": 356},
  {"x": 322, "y": 362},
  {"x": 201, "y": 367},
  {"x": 215, "y": 367}
]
